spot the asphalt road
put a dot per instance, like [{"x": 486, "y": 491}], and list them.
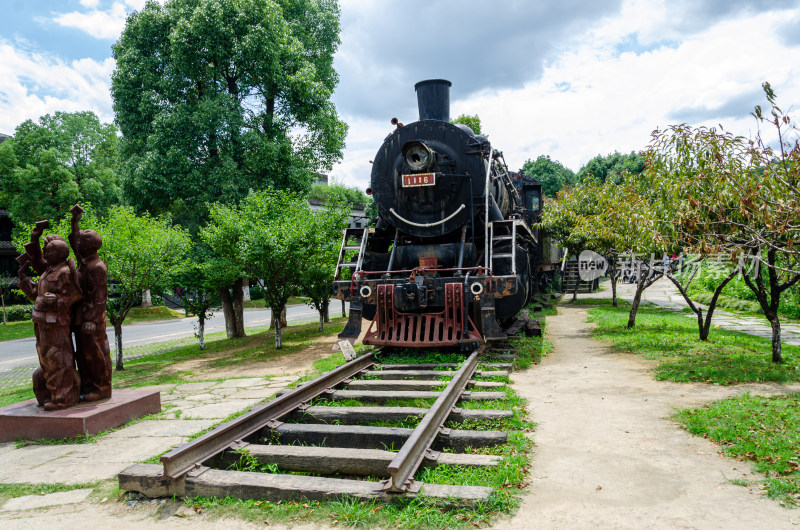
[{"x": 22, "y": 352}]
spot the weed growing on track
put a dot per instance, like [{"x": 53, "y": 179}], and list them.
[
  {"x": 728, "y": 357},
  {"x": 762, "y": 430}
]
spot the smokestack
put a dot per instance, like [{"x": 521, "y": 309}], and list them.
[{"x": 433, "y": 99}]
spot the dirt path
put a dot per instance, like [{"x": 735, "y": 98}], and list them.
[{"x": 607, "y": 456}]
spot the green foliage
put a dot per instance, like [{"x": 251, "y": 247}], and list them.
[
  {"x": 214, "y": 98},
  {"x": 49, "y": 166},
  {"x": 338, "y": 194},
  {"x": 762, "y": 430},
  {"x": 473, "y": 122},
  {"x": 612, "y": 167},
  {"x": 551, "y": 174},
  {"x": 729, "y": 357},
  {"x": 17, "y": 313},
  {"x": 276, "y": 237}
]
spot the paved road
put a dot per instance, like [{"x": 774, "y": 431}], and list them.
[{"x": 22, "y": 352}]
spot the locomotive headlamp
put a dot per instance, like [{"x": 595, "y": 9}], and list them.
[{"x": 418, "y": 156}]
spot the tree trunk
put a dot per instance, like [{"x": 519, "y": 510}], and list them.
[
  {"x": 321, "y": 318},
  {"x": 344, "y": 309},
  {"x": 577, "y": 286},
  {"x": 614, "y": 285},
  {"x": 238, "y": 309},
  {"x": 637, "y": 298},
  {"x": 326, "y": 306},
  {"x": 283, "y": 317},
  {"x": 118, "y": 343},
  {"x": 277, "y": 321},
  {"x": 3, "y": 299},
  {"x": 227, "y": 311},
  {"x": 201, "y": 327},
  {"x": 245, "y": 289},
  {"x": 705, "y": 328},
  {"x": 146, "y": 300},
  {"x": 776, "y": 339}
]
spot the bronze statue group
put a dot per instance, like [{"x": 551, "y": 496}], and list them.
[{"x": 68, "y": 301}]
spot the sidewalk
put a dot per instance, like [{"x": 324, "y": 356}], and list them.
[
  {"x": 186, "y": 409},
  {"x": 665, "y": 294}
]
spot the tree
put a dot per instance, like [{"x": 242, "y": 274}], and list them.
[
  {"x": 562, "y": 217},
  {"x": 6, "y": 283},
  {"x": 214, "y": 98},
  {"x": 48, "y": 166},
  {"x": 744, "y": 202},
  {"x": 473, "y": 122},
  {"x": 141, "y": 252},
  {"x": 277, "y": 235},
  {"x": 551, "y": 174},
  {"x": 686, "y": 169},
  {"x": 612, "y": 166},
  {"x": 316, "y": 278},
  {"x": 197, "y": 286}
]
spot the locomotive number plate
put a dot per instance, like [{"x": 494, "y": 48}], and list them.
[{"x": 419, "y": 179}]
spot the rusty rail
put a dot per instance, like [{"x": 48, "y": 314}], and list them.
[
  {"x": 411, "y": 455},
  {"x": 181, "y": 460}
]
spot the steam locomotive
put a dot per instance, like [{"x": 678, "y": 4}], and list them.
[{"x": 453, "y": 256}]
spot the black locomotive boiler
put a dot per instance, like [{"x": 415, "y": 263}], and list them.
[{"x": 452, "y": 255}]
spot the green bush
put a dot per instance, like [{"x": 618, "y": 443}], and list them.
[{"x": 18, "y": 313}]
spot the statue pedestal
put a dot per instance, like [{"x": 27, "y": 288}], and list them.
[{"x": 27, "y": 421}]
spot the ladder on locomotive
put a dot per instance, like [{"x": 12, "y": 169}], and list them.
[
  {"x": 360, "y": 235},
  {"x": 500, "y": 232}
]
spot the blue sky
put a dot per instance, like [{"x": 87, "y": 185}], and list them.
[{"x": 567, "y": 78}]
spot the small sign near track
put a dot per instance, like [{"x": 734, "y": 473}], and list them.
[{"x": 347, "y": 349}]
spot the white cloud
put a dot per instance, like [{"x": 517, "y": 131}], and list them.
[
  {"x": 92, "y": 4},
  {"x": 594, "y": 97},
  {"x": 97, "y": 23},
  {"x": 33, "y": 84}
]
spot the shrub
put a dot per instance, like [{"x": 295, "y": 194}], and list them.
[{"x": 18, "y": 313}]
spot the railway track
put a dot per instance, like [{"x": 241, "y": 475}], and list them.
[{"x": 340, "y": 455}]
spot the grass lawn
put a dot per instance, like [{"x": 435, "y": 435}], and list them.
[
  {"x": 728, "y": 357},
  {"x": 763, "y": 430},
  {"x": 16, "y": 330}
]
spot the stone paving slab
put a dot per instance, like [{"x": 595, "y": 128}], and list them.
[
  {"x": 127, "y": 450},
  {"x": 259, "y": 393},
  {"x": 160, "y": 428},
  {"x": 245, "y": 382},
  {"x": 218, "y": 410},
  {"x": 192, "y": 387},
  {"x": 30, "y": 502}
]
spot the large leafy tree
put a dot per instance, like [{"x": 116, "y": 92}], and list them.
[
  {"x": 613, "y": 166},
  {"x": 216, "y": 97},
  {"x": 473, "y": 122},
  {"x": 551, "y": 174},
  {"x": 64, "y": 158}
]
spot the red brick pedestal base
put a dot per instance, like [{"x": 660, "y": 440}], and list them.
[{"x": 27, "y": 421}]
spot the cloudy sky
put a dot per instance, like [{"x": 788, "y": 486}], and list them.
[{"x": 566, "y": 78}]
